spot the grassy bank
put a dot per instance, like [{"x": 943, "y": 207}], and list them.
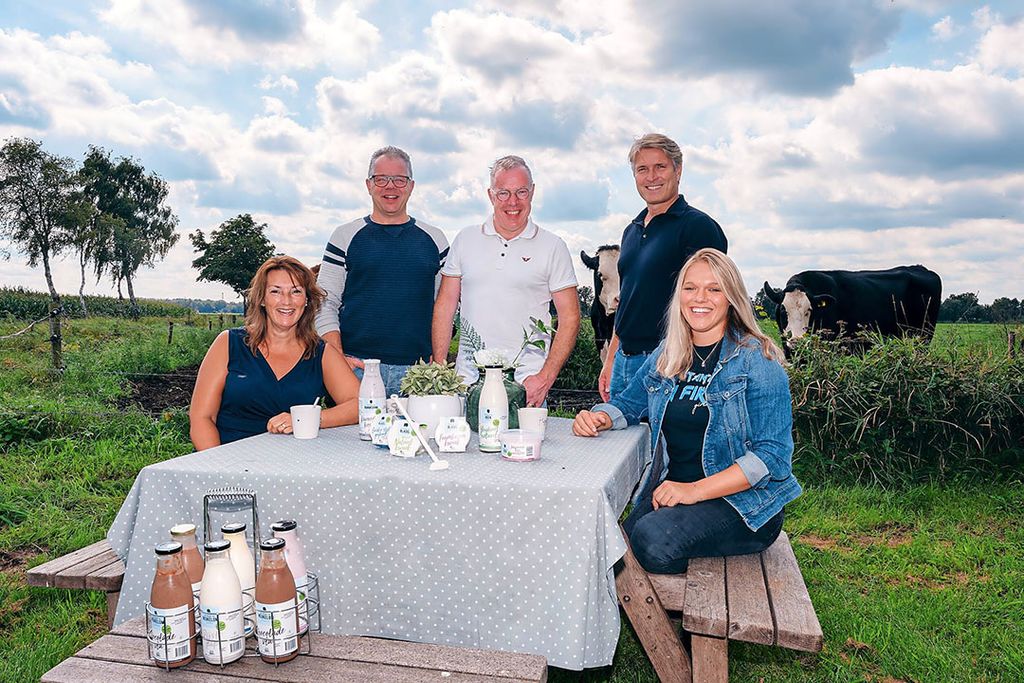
[{"x": 916, "y": 583}]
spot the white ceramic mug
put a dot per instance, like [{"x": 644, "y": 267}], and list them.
[
  {"x": 305, "y": 421},
  {"x": 533, "y": 420}
]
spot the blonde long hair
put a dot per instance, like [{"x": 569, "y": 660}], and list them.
[
  {"x": 677, "y": 355},
  {"x": 256, "y": 315}
]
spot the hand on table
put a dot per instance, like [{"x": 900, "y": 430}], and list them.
[
  {"x": 280, "y": 424},
  {"x": 589, "y": 423},
  {"x": 672, "y": 493}
]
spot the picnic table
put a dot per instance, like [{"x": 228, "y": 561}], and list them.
[{"x": 488, "y": 554}]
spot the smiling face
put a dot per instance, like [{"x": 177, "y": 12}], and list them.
[
  {"x": 704, "y": 304},
  {"x": 512, "y": 214},
  {"x": 657, "y": 180},
  {"x": 389, "y": 202},
  {"x": 284, "y": 301}
]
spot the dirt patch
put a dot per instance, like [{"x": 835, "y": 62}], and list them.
[
  {"x": 12, "y": 561},
  {"x": 889, "y": 534},
  {"x": 818, "y": 542},
  {"x": 572, "y": 400},
  {"x": 159, "y": 392}
]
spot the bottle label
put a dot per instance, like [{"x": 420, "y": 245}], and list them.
[
  {"x": 379, "y": 430},
  {"x": 369, "y": 408},
  {"x": 518, "y": 451},
  {"x": 489, "y": 427},
  {"x": 223, "y": 636},
  {"x": 452, "y": 435},
  {"x": 276, "y": 628},
  {"x": 300, "y": 595},
  {"x": 169, "y": 633}
]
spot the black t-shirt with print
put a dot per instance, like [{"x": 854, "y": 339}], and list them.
[{"x": 686, "y": 417}]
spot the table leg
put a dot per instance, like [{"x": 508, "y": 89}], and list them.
[
  {"x": 650, "y": 621},
  {"x": 710, "y": 659},
  {"x": 112, "y": 599}
]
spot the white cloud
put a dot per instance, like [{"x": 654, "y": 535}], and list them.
[
  {"x": 282, "y": 82},
  {"x": 1002, "y": 47},
  {"x": 289, "y": 35},
  {"x": 945, "y": 28}
]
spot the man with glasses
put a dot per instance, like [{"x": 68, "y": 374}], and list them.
[
  {"x": 505, "y": 272},
  {"x": 654, "y": 247},
  {"x": 381, "y": 273}
]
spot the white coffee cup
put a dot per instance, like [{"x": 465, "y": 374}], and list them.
[
  {"x": 305, "y": 421},
  {"x": 533, "y": 420}
]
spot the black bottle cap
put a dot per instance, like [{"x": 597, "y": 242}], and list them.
[
  {"x": 284, "y": 525},
  {"x": 168, "y": 548},
  {"x": 216, "y": 546},
  {"x": 232, "y": 527},
  {"x": 272, "y": 544}
]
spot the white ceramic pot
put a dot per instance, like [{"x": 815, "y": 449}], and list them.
[{"x": 430, "y": 409}]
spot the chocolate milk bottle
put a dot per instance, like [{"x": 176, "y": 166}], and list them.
[
  {"x": 295, "y": 556},
  {"x": 172, "y": 626},
  {"x": 277, "y": 613},
  {"x": 185, "y": 534}
]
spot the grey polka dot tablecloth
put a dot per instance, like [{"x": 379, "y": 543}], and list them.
[{"x": 492, "y": 554}]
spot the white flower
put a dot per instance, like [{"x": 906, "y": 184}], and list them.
[{"x": 491, "y": 357}]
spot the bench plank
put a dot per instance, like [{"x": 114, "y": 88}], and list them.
[
  {"x": 75, "y": 576},
  {"x": 127, "y": 650},
  {"x": 77, "y": 670},
  {"x": 796, "y": 621},
  {"x": 671, "y": 589},
  {"x": 107, "y": 578},
  {"x": 704, "y": 608},
  {"x": 491, "y": 664},
  {"x": 750, "y": 614},
  {"x": 43, "y": 574}
]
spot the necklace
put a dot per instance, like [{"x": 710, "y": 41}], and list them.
[{"x": 704, "y": 358}]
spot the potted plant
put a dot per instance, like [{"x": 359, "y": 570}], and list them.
[
  {"x": 483, "y": 357},
  {"x": 433, "y": 390}
]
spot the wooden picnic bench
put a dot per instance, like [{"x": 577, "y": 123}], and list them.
[
  {"x": 94, "y": 567},
  {"x": 758, "y": 598},
  {"x": 122, "y": 655}
]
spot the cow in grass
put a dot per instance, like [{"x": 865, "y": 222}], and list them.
[
  {"x": 605, "y": 264},
  {"x": 895, "y": 302}
]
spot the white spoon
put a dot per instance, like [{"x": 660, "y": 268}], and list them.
[{"x": 437, "y": 463}]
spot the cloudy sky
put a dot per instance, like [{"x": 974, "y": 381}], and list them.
[{"x": 842, "y": 134}]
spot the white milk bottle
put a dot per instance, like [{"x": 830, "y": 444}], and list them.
[
  {"x": 241, "y": 559},
  {"x": 220, "y": 607},
  {"x": 371, "y": 397},
  {"x": 295, "y": 556},
  {"x": 493, "y": 410}
]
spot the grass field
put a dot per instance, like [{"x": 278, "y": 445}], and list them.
[{"x": 925, "y": 583}]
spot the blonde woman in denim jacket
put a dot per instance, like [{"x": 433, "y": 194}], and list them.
[{"x": 720, "y": 412}]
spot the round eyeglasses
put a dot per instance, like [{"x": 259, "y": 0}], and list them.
[
  {"x": 505, "y": 195},
  {"x": 399, "y": 181}
]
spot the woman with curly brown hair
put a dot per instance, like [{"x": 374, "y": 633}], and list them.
[{"x": 252, "y": 375}]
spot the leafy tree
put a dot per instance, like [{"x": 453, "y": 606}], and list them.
[
  {"x": 1005, "y": 310},
  {"x": 763, "y": 304},
  {"x": 37, "y": 201},
  {"x": 586, "y": 295},
  {"x": 961, "y": 308},
  {"x": 235, "y": 251},
  {"x": 138, "y": 228}
]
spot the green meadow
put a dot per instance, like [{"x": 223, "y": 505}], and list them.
[{"x": 915, "y": 581}]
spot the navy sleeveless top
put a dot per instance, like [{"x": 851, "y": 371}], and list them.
[{"x": 253, "y": 394}]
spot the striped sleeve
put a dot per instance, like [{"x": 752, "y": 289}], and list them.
[
  {"x": 441, "y": 242},
  {"x": 331, "y": 279}
]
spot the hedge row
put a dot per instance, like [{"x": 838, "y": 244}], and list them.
[{"x": 22, "y": 304}]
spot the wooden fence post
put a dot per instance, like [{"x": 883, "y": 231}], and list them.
[
  {"x": 170, "y": 331},
  {"x": 209, "y": 323},
  {"x": 55, "y": 338},
  {"x": 220, "y": 320},
  {"x": 233, "y": 318},
  {"x": 1011, "y": 339}
]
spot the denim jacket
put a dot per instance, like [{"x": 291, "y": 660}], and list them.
[{"x": 750, "y": 424}]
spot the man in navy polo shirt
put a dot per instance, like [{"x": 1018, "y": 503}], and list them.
[
  {"x": 381, "y": 273},
  {"x": 654, "y": 247}
]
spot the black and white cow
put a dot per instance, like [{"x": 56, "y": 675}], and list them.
[
  {"x": 605, "y": 264},
  {"x": 899, "y": 301}
]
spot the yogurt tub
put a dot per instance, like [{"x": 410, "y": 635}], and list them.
[{"x": 520, "y": 445}]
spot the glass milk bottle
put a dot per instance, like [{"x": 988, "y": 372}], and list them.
[
  {"x": 185, "y": 534},
  {"x": 220, "y": 607},
  {"x": 295, "y": 556},
  {"x": 371, "y": 397},
  {"x": 172, "y": 627},
  {"x": 493, "y": 411},
  {"x": 241, "y": 560},
  {"x": 277, "y": 615}
]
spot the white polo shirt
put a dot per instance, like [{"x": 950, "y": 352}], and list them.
[{"x": 504, "y": 284}]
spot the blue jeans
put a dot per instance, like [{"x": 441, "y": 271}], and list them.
[
  {"x": 391, "y": 374},
  {"x": 623, "y": 369},
  {"x": 665, "y": 539}
]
